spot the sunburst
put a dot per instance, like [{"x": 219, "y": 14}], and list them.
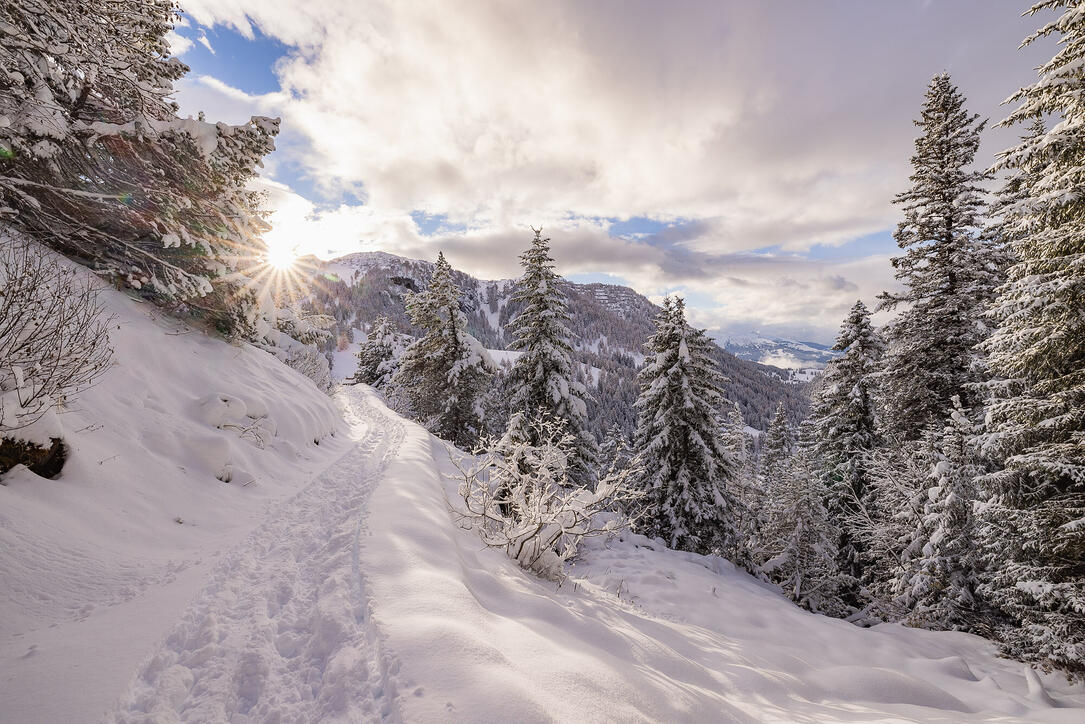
[{"x": 281, "y": 257}]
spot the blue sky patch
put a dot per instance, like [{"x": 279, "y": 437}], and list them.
[{"x": 237, "y": 61}]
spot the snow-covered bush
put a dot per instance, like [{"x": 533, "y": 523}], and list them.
[
  {"x": 311, "y": 362},
  {"x": 518, "y": 497},
  {"x": 54, "y": 338},
  {"x": 314, "y": 329},
  {"x": 295, "y": 338}
]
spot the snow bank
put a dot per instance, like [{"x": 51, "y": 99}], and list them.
[
  {"x": 642, "y": 633},
  {"x": 98, "y": 563}
]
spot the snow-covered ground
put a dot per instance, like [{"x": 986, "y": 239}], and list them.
[
  {"x": 96, "y": 565},
  {"x": 338, "y": 587},
  {"x": 641, "y": 633}
]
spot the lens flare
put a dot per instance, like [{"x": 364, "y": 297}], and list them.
[{"x": 281, "y": 257}]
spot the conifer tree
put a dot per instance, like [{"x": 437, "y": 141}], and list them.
[
  {"x": 1034, "y": 526},
  {"x": 776, "y": 451},
  {"x": 542, "y": 378},
  {"x": 802, "y": 545},
  {"x": 736, "y": 439},
  {"x": 444, "y": 374},
  {"x": 379, "y": 354},
  {"x": 95, "y": 162},
  {"x": 886, "y": 522},
  {"x": 686, "y": 469},
  {"x": 944, "y": 268},
  {"x": 744, "y": 486},
  {"x": 616, "y": 452},
  {"x": 940, "y": 578},
  {"x": 772, "y": 475},
  {"x": 845, "y": 424}
]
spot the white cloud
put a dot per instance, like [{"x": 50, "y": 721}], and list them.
[
  {"x": 782, "y": 123},
  {"x": 179, "y": 44},
  {"x": 206, "y": 43}
]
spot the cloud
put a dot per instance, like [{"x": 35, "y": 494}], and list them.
[
  {"x": 785, "y": 294},
  {"x": 783, "y": 125},
  {"x": 179, "y": 44}
]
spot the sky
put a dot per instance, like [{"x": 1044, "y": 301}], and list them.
[{"x": 744, "y": 155}]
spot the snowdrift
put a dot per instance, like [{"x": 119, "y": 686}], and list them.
[
  {"x": 173, "y": 457},
  {"x": 642, "y": 633}
]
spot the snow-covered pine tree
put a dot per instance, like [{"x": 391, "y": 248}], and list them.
[
  {"x": 686, "y": 469},
  {"x": 1034, "y": 526},
  {"x": 379, "y": 354},
  {"x": 887, "y": 521},
  {"x": 736, "y": 439},
  {"x": 543, "y": 378},
  {"x": 95, "y": 162},
  {"x": 444, "y": 374},
  {"x": 744, "y": 486},
  {"x": 944, "y": 269},
  {"x": 776, "y": 450},
  {"x": 845, "y": 426},
  {"x": 616, "y": 452},
  {"x": 803, "y": 555},
  {"x": 772, "y": 473},
  {"x": 940, "y": 576}
]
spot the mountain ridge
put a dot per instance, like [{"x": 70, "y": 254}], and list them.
[{"x": 610, "y": 324}]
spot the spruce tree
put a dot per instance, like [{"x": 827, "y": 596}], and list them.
[
  {"x": 744, "y": 486},
  {"x": 887, "y": 522},
  {"x": 802, "y": 545},
  {"x": 1034, "y": 526},
  {"x": 772, "y": 474},
  {"x": 444, "y": 374},
  {"x": 939, "y": 578},
  {"x": 776, "y": 451},
  {"x": 845, "y": 423},
  {"x": 542, "y": 378},
  {"x": 616, "y": 452},
  {"x": 943, "y": 269},
  {"x": 379, "y": 354},
  {"x": 686, "y": 469}
]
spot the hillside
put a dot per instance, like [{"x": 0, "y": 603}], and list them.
[
  {"x": 610, "y": 325},
  {"x": 325, "y": 578},
  {"x": 363, "y": 600},
  {"x": 181, "y": 449}
]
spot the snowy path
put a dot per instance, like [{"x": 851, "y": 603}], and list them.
[{"x": 282, "y": 631}]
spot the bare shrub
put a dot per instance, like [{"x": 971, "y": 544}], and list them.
[
  {"x": 517, "y": 497},
  {"x": 54, "y": 338}
]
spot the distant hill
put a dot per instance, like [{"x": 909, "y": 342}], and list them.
[{"x": 783, "y": 353}]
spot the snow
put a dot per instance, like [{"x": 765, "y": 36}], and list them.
[
  {"x": 286, "y": 608},
  {"x": 641, "y": 633},
  {"x": 338, "y": 587},
  {"x": 501, "y": 356},
  {"x": 98, "y": 563},
  {"x": 345, "y": 361}
]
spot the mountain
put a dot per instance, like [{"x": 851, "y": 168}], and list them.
[
  {"x": 610, "y": 325},
  {"x": 783, "y": 353}
]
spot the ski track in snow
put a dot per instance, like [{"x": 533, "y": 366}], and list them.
[{"x": 282, "y": 632}]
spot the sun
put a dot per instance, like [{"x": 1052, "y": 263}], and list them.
[{"x": 281, "y": 257}]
